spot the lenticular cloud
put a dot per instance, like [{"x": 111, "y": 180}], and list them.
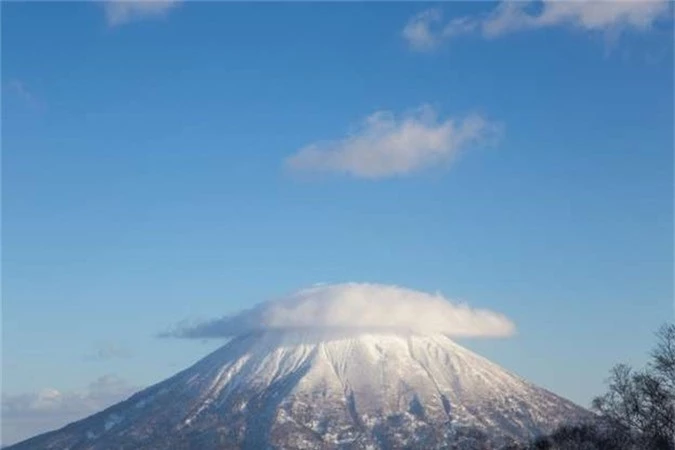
[{"x": 359, "y": 307}]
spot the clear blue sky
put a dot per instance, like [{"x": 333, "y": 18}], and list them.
[{"x": 144, "y": 181}]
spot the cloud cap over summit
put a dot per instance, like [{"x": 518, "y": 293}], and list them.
[{"x": 357, "y": 306}]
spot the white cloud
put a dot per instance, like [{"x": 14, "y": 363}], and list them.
[
  {"x": 611, "y": 17},
  {"x": 593, "y": 15},
  {"x": 120, "y": 12},
  {"x": 603, "y": 15},
  {"x": 459, "y": 26},
  {"x": 25, "y": 415},
  {"x": 356, "y": 306},
  {"x": 386, "y": 145},
  {"x": 420, "y": 30}
]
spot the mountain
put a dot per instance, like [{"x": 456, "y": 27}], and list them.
[{"x": 308, "y": 389}]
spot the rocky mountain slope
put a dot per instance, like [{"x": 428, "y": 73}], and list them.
[{"x": 309, "y": 389}]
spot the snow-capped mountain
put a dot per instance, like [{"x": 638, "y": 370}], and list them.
[{"x": 310, "y": 389}]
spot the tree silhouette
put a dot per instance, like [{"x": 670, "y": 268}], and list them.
[
  {"x": 636, "y": 413},
  {"x": 640, "y": 405}
]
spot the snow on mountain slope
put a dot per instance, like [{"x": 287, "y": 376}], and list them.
[{"x": 325, "y": 390}]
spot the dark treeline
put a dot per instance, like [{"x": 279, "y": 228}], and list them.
[{"x": 636, "y": 413}]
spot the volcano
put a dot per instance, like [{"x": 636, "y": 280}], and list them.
[{"x": 326, "y": 389}]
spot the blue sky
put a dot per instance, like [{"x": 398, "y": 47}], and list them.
[{"x": 150, "y": 175}]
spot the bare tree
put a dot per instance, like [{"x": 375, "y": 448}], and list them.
[
  {"x": 640, "y": 405},
  {"x": 636, "y": 413},
  {"x": 664, "y": 355}
]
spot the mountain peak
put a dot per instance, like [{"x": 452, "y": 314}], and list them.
[{"x": 326, "y": 388}]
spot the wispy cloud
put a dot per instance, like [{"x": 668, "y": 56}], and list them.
[
  {"x": 120, "y": 12},
  {"x": 28, "y": 414},
  {"x": 357, "y": 306},
  {"x": 388, "y": 145},
  {"x": 426, "y": 30},
  {"x": 20, "y": 90},
  {"x": 423, "y": 30},
  {"x": 108, "y": 350}
]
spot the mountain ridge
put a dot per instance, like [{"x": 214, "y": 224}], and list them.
[{"x": 328, "y": 389}]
